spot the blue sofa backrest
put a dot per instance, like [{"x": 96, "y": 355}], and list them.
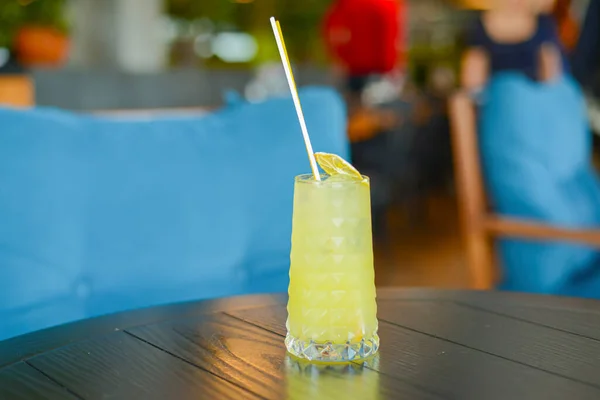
[
  {"x": 535, "y": 150},
  {"x": 99, "y": 215}
]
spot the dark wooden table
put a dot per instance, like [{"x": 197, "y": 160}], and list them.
[{"x": 434, "y": 345}]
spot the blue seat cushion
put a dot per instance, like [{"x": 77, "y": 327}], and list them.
[
  {"x": 100, "y": 215},
  {"x": 535, "y": 151}
]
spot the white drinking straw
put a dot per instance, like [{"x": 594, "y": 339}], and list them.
[{"x": 292, "y": 83}]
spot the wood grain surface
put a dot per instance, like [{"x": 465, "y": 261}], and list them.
[{"x": 434, "y": 345}]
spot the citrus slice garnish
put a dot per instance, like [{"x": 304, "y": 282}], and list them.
[{"x": 333, "y": 165}]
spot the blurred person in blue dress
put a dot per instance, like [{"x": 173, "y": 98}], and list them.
[{"x": 515, "y": 36}]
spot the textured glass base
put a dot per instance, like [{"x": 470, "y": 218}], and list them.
[{"x": 330, "y": 352}]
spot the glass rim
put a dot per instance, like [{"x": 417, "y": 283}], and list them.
[{"x": 309, "y": 179}]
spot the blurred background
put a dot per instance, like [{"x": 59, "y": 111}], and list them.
[
  {"x": 91, "y": 55},
  {"x": 124, "y": 53}
]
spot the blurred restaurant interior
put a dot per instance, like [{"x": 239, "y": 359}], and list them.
[
  {"x": 163, "y": 54},
  {"x": 413, "y": 213}
]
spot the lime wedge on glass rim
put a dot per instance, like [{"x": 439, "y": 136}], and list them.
[{"x": 335, "y": 165}]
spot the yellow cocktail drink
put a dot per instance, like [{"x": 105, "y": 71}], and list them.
[{"x": 332, "y": 309}]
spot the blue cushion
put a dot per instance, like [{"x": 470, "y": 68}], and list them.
[
  {"x": 535, "y": 149},
  {"x": 100, "y": 215}
]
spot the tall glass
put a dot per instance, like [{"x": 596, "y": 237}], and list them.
[{"x": 331, "y": 308}]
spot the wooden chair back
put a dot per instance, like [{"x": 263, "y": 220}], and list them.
[{"x": 471, "y": 195}]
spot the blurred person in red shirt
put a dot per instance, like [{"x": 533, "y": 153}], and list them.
[{"x": 366, "y": 38}]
